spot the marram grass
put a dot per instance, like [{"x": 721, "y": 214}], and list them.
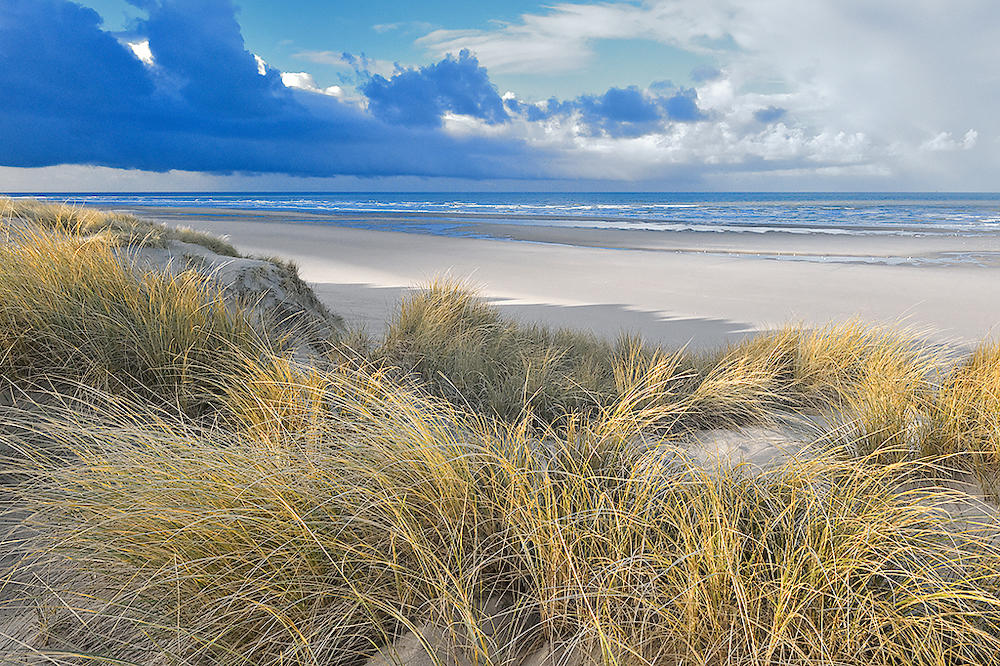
[
  {"x": 461, "y": 348},
  {"x": 186, "y": 494},
  {"x": 74, "y": 310},
  {"x": 123, "y": 228},
  {"x": 398, "y": 510},
  {"x": 965, "y": 415}
]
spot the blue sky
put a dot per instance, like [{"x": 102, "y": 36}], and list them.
[
  {"x": 291, "y": 37},
  {"x": 655, "y": 95}
]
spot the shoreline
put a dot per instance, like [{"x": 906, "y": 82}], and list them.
[
  {"x": 510, "y": 220},
  {"x": 674, "y": 288}
]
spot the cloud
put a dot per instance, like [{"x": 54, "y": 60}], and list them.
[
  {"x": 944, "y": 142},
  {"x": 683, "y": 106},
  {"x": 403, "y": 26},
  {"x": 204, "y": 61},
  {"x": 705, "y": 73},
  {"x": 359, "y": 64},
  {"x": 76, "y": 95},
  {"x": 142, "y": 52},
  {"x": 624, "y": 105},
  {"x": 305, "y": 81},
  {"x": 422, "y": 96},
  {"x": 890, "y": 70},
  {"x": 619, "y": 112},
  {"x": 770, "y": 114},
  {"x": 563, "y": 38},
  {"x": 205, "y": 103},
  {"x": 181, "y": 91},
  {"x": 334, "y": 58},
  {"x": 50, "y": 52}
]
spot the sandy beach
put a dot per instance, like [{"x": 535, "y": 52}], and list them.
[
  {"x": 675, "y": 288},
  {"x": 276, "y": 458}
]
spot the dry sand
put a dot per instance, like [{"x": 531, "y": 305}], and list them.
[{"x": 675, "y": 288}]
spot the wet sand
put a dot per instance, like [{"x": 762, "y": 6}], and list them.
[{"x": 680, "y": 287}]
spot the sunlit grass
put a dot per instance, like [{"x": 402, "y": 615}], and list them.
[
  {"x": 74, "y": 311},
  {"x": 188, "y": 494},
  {"x": 965, "y": 415},
  {"x": 123, "y": 228},
  {"x": 464, "y": 350},
  {"x": 398, "y": 511}
]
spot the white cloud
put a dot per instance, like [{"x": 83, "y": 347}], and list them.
[
  {"x": 305, "y": 81},
  {"x": 334, "y": 58},
  {"x": 341, "y": 61},
  {"x": 562, "y": 39},
  {"x": 575, "y": 151},
  {"x": 405, "y": 26},
  {"x": 862, "y": 83},
  {"x": 302, "y": 80},
  {"x": 141, "y": 51},
  {"x": 944, "y": 141}
]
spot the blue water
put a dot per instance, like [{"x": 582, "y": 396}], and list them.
[{"x": 838, "y": 213}]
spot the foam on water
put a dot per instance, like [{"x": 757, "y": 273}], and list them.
[{"x": 804, "y": 213}]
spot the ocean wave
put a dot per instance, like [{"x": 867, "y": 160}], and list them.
[{"x": 812, "y": 213}]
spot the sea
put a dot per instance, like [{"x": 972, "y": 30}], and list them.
[{"x": 453, "y": 213}]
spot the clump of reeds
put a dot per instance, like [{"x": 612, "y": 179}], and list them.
[
  {"x": 75, "y": 311},
  {"x": 462, "y": 348},
  {"x": 212, "y": 242},
  {"x": 125, "y": 229},
  {"x": 397, "y": 511},
  {"x": 964, "y": 415},
  {"x": 814, "y": 368}
]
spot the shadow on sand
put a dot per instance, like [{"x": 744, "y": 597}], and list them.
[{"x": 369, "y": 307}]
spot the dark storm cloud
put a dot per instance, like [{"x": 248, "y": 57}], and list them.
[
  {"x": 622, "y": 112},
  {"x": 75, "y": 95},
  {"x": 421, "y": 96}
]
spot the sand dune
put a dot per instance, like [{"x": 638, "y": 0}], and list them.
[{"x": 675, "y": 288}]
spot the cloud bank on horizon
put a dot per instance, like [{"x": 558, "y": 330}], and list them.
[{"x": 829, "y": 94}]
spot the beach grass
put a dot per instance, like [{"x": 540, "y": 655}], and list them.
[
  {"x": 184, "y": 492},
  {"x": 964, "y": 417},
  {"x": 461, "y": 348},
  {"x": 398, "y": 511},
  {"x": 124, "y": 228},
  {"x": 75, "y": 310}
]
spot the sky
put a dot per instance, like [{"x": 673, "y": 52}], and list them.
[{"x": 772, "y": 95}]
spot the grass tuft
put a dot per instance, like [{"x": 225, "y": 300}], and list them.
[
  {"x": 965, "y": 415},
  {"x": 403, "y": 512},
  {"x": 463, "y": 349},
  {"x": 182, "y": 492},
  {"x": 74, "y": 311},
  {"x": 125, "y": 229}
]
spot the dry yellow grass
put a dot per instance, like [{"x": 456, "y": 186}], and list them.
[
  {"x": 964, "y": 416},
  {"x": 463, "y": 349},
  {"x": 123, "y": 228},
  {"x": 398, "y": 510},
  {"x": 73, "y": 311},
  {"x": 228, "y": 506}
]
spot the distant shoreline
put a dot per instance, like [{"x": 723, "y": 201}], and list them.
[
  {"x": 675, "y": 288},
  {"x": 801, "y": 213}
]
